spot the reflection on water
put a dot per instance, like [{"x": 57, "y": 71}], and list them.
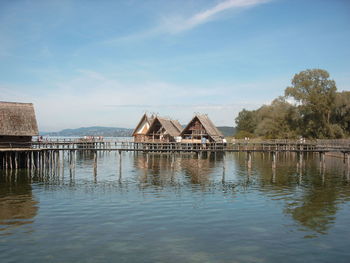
[
  {"x": 178, "y": 207},
  {"x": 17, "y": 204}
]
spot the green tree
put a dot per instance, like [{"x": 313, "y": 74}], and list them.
[
  {"x": 246, "y": 123},
  {"x": 277, "y": 120},
  {"x": 341, "y": 111},
  {"x": 315, "y": 94}
]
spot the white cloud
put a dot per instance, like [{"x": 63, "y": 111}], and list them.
[
  {"x": 178, "y": 25},
  {"x": 92, "y": 98},
  {"x": 174, "y": 24}
]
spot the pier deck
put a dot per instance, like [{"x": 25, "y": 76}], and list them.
[{"x": 39, "y": 154}]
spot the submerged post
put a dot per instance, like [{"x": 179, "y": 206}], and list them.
[
  {"x": 120, "y": 163},
  {"x": 273, "y": 160},
  {"x": 95, "y": 163},
  {"x": 249, "y": 159}
]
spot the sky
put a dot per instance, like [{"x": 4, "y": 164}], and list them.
[{"x": 105, "y": 63}]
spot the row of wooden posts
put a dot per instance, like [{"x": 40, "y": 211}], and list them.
[{"x": 50, "y": 158}]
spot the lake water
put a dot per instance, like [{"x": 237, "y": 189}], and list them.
[{"x": 164, "y": 208}]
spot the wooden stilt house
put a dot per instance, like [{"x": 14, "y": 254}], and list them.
[
  {"x": 163, "y": 130},
  {"x": 142, "y": 127},
  {"x": 200, "y": 128},
  {"x": 17, "y": 124}
]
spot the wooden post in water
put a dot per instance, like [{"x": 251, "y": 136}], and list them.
[
  {"x": 172, "y": 159},
  {"x": 324, "y": 160},
  {"x": 10, "y": 161},
  {"x": 16, "y": 160},
  {"x": 274, "y": 160},
  {"x": 120, "y": 163},
  {"x": 249, "y": 160},
  {"x": 95, "y": 163}
]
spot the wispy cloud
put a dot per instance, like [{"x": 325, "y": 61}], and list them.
[
  {"x": 175, "y": 24},
  {"x": 183, "y": 24}
]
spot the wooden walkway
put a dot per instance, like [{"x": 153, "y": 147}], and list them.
[{"x": 39, "y": 154}]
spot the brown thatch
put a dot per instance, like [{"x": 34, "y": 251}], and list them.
[
  {"x": 17, "y": 119},
  {"x": 164, "y": 127},
  {"x": 144, "y": 119},
  {"x": 172, "y": 127},
  {"x": 210, "y": 129}
]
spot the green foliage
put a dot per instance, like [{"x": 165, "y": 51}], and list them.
[
  {"x": 315, "y": 93},
  {"x": 317, "y": 111},
  {"x": 246, "y": 121},
  {"x": 341, "y": 111},
  {"x": 276, "y": 120}
]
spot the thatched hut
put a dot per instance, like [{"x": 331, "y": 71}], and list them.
[
  {"x": 142, "y": 127},
  {"x": 163, "y": 130},
  {"x": 17, "y": 124},
  {"x": 200, "y": 128}
]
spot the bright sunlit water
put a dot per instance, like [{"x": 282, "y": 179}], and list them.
[{"x": 164, "y": 208}]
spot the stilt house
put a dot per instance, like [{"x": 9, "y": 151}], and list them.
[
  {"x": 17, "y": 124},
  {"x": 163, "y": 130},
  {"x": 142, "y": 127},
  {"x": 201, "y": 127}
]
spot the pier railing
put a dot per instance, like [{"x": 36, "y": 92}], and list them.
[
  {"x": 236, "y": 145},
  {"x": 50, "y": 153}
]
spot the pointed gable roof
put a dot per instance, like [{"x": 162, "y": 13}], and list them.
[
  {"x": 208, "y": 125},
  {"x": 172, "y": 127},
  {"x": 17, "y": 119},
  {"x": 144, "y": 118}
]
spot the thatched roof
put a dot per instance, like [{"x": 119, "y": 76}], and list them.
[
  {"x": 172, "y": 127},
  {"x": 144, "y": 118},
  {"x": 17, "y": 119},
  {"x": 208, "y": 125}
]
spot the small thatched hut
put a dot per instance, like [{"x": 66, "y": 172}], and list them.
[
  {"x": 201, "y": 127},
  {"x": 163, "y": 130},
  {"x": 17, "y": 123},
  {"x": 142, "y": 127}
]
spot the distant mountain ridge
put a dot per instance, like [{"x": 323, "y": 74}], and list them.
[{"x": 114, "y": 131}]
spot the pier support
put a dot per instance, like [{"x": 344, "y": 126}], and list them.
[
  {"x": 95, "y": 163},
  {"x": 274, "y": 160},
  {"x": 120, "y": 164},
  {"x": 249, "y": 160}
]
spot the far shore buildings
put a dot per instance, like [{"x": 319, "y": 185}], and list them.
[
  {"x": 159, "y": 129},
  {"x": 17, "y": 123}
]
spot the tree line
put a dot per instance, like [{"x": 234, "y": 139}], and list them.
[{"x": 311, "y": 108}]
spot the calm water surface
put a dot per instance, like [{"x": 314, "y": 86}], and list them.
[{"x": 160, "y": 208}]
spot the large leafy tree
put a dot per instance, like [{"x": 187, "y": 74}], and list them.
[
  {"x": 246, "y": 123},
  {"x": 341, "y": 111},
  {"x": 277, "y": 120},
  {"x": 315, "y": 94}
]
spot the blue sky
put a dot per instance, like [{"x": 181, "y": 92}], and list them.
[{"x": 85, "y": 63}]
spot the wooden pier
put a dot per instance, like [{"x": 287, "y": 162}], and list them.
[{"x": 49, "y": 153}]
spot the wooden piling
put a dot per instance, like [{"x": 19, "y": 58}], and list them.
[
  {"x": 249, "y": 160},
  {"x": 273, "y": 160}
]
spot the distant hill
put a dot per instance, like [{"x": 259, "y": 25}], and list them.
[
  {"x": 227, "y": 130},
  {"x": 114, "y": 132},
  {"x": 92, "y": 131}
]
